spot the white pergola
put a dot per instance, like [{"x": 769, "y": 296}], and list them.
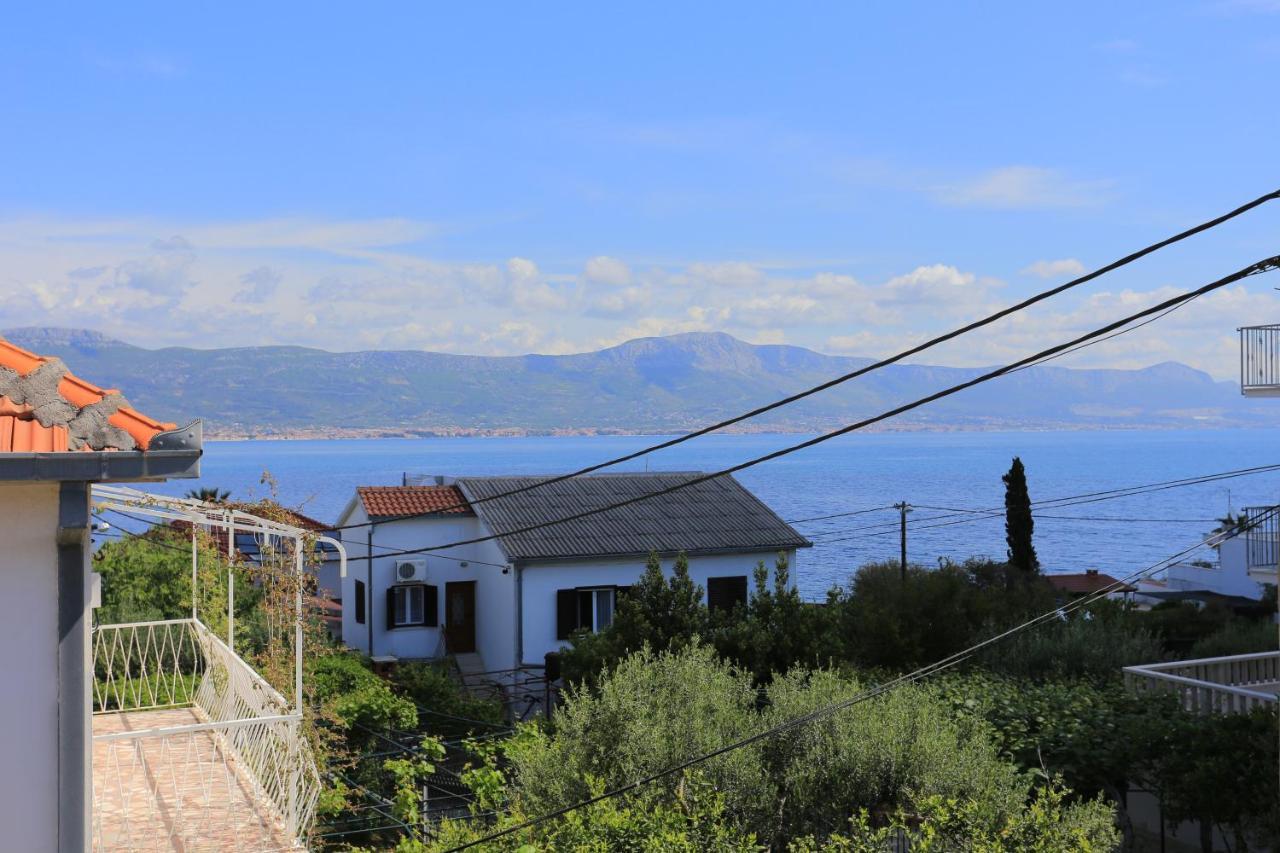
[{"x": 192, "y": 747}]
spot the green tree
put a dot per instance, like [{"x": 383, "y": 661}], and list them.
[
  {"x": 1018, "y": 522},
  {"x": 777, "y": 629},
  {"x": 147, "y": 577},
  {"x": 659, "y": 612}
]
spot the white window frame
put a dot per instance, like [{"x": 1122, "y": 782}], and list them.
[
  {"x": 403, "y": 596},
  {"x": 608, "y": 593}
]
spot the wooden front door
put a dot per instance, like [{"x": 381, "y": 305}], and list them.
[{"x": 460, "y": 616}]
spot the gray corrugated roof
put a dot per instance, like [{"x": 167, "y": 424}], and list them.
[{"x": 715, "y": 516}]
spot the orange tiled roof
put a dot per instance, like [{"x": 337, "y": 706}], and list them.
[
  {"x": 1087, "y": 583},
  {"x": 43, "y": 409},
  {"x": 391, "y": 501}
]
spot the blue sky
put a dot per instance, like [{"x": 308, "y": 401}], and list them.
[{"x": 511, "y": 179}]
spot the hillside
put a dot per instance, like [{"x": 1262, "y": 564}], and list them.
[{"x": 646, "y": 385}]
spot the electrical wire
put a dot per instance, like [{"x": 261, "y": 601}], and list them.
[
  {"x": 885, "y": 362},
  {"x": 1262, "y": 266},
  {"x": 825, "y": 711},
  {"x": 1057, "y": 503}
]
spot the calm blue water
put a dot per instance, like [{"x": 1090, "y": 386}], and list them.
[{"x": 954, "y": 470}]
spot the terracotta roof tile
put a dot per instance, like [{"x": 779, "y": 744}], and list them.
[
  {"x": 24, "y": 430},
  {"x": 1086, "y": 583},
  {"x": 392, "y": 501}
]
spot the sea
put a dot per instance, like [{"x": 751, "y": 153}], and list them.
[{"x": 840, "y": 493}]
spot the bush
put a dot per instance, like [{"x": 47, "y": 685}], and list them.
[
  {"x": 448, "y": 708},
  {"x": 655, "y": 710},
  {"x": 1095, "y": 643},
  {"x": 1237, "y": 637},
  {"x": 357, "y": 698},
  {"x": 886, "y": 622}
]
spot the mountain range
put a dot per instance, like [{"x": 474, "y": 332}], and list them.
[{"x": 660, "y": 384}]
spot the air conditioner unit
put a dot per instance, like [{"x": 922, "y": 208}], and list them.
[{"x": 411, "y": 571}]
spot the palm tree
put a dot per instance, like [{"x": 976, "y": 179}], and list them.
[
  {"x": 209, "y": 496},
  {"x": 1228, "y": 526}
]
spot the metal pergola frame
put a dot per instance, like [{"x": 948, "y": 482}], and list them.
[{"x": 198, "y": 514}]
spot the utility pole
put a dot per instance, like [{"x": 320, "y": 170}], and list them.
[{"x": 903, "y": 508}]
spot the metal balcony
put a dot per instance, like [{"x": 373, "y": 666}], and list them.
[
  {"x": 192, "y": 749},
  {"x": 1262, "y": 540},
  {"x": 1225, "y": 685},
  {"x": 1260, "y": 361}
]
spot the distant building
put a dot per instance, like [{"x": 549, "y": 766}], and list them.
[
  {"x": 508, "y": 601},
  {"x": 1088, "y": 583},
  {"x": 1228, "y": 579}
]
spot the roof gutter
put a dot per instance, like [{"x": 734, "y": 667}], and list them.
[{"x": 172, "y": 455}]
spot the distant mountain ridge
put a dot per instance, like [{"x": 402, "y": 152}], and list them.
[{"x": 656, "y": 384}]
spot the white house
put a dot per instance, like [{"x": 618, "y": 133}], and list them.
[
  {"x": 515, "y": 597},
  {"x": 58, "y": 435},
  {"x": 1231, "y": 577}
]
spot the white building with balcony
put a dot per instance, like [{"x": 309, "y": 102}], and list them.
[{"x": 146, "y": 736}]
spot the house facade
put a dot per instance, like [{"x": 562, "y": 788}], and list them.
[
  {"x": 515, "y": 595},
  {"x": 58, "y": 436}
]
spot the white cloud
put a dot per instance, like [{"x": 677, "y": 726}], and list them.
[
  {"x": 606, "y": 270},
  {"x": 165, "y": 285},
  {"x": 261, "y": 283},
  {"x": 1023, "y": 188},
  {"x": 728, "y": 274},
  {"x": 1064, "y": 268}
]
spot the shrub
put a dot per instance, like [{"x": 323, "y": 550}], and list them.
[
  {"x": 886, "y": 622},
  {"x": 1094, "y": 643},
  {"x": 1237, "y": 637},
  {"x": 444, "y": 705},
  {"x": 655, "y": 710}
]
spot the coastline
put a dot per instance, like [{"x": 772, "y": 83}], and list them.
[{"x": 377, "y": 433}]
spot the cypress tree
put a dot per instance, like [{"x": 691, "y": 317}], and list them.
[{"x": 1018, "y": 523}]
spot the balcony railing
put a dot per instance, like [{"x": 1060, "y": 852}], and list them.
[
  {"x": 1260, "y": 361},
  {"x": 1262, "y": 538},
  {"x": 193, "y": 750},
  {"x": 1224, "y": 685}
]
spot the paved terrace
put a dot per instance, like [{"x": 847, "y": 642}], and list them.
[{"x": 175, "y": 793}]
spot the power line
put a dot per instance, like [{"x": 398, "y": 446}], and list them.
[
  {"x": 966, "y": 514},
  {"x": 1253, "y": 269},
  {"x": 885, "y": 362},
  {"x": 864, "y": 696},
  {"x": 841, "y": 514}
]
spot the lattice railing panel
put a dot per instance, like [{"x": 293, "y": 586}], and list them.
[
  {"x": 145, "y": 665},
  {"x": 205, "y": 748}
]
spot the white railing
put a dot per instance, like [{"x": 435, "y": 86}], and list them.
[
  {"x": 1260, "y": 360},
  {"x": 1223, "y": 685},
  {"x": 193, "y": 749}
]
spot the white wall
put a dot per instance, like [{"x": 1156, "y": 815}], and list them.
[
  {"x": 1229, "y": 577},
  {"x": 540, "y": 581},
  {"x": 495, "y": 591},
  {"x": 29, "y": 663}
]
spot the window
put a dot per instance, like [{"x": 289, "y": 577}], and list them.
[
  {"x": 589, "y": 608},
  {"x": 726, "y": 593},
  {"x": 359, "y": 602},
  {"x": 412, "y": 605}
]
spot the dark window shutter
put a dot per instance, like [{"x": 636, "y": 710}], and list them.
[
  {"x": 566, "y": 613},
  {"x": 622, "y": 592},
  {"x": 391, "y": 607},
  {"x": 359, "y": 602},
  {"x": 431, "y": 606},
  {"x": 725, "y": 593}
]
